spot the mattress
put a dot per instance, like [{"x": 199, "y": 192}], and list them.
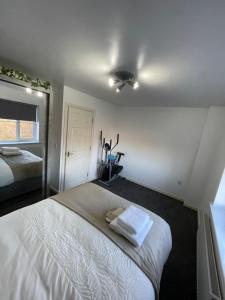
[{"x": 49, "y": 252}]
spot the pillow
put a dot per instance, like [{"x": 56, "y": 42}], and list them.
[
  {"x": 16, "y": 149},
  {"x": 8, "y": 151}
]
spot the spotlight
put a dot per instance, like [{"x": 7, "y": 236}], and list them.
[
  {"x": 40, "y": 94},
  {"x": 135, "y": 85},
  {"x": 111, "y": 82},
  {"x": 28, "y": 90},
  {"x": 118, "y": 90}
]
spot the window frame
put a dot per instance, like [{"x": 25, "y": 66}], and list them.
[{"x": 19, "y": 140}]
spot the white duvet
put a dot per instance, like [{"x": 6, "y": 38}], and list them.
[
  {"x": 49, "y": 252},
  {"x": 6, "y": 175}
]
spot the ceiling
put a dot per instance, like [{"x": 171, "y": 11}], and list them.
[{"x": 176, "y": 47}]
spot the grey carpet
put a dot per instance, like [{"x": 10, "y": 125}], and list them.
[{"x": 179, "y": 275}]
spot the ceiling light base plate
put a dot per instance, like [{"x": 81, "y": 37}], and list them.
[{"x": 124, "y": 75}]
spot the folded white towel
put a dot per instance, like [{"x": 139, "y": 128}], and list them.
[
  {"x": 133, "y": 219},
  {"x": 12, "y": 149},
  {"x": 136, "y": 239},
  {"x": 7, "y": 151}
]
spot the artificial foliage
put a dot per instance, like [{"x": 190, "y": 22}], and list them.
[{"x": 15, "y": 74}]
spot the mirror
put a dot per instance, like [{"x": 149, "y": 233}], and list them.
[{"x": 23, "y": 142}]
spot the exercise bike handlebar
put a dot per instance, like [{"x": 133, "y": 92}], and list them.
[
  {"x": 102, "y": 140},
  {"x": 117, "y": 141}
]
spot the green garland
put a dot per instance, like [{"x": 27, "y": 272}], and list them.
[{"x": 24, "y": 77}]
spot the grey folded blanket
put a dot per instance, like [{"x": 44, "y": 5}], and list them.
[{"x": 92, "y": 202}]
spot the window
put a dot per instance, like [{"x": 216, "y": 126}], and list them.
[
  {"x": 15, "y": 131},
  {"x": 18, "y": 122}
]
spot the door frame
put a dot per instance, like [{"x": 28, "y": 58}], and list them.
[{"x": 65, "y": 120}]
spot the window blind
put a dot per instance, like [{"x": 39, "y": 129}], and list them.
[{"x": 17, "y": 110}]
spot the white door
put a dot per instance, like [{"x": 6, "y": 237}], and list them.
[{"x": 78, "y": 146}]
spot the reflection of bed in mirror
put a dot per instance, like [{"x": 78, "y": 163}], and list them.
[{"x": 19, "y": 174}]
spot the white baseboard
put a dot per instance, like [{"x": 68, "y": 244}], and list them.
[
  {"x": 156, "y": 190},
  {"x": 164, "y": 193}
]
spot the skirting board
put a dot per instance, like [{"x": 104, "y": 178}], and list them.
[
  {"x": 163, "y": 193},
  {"x": 154, "y": 189}
]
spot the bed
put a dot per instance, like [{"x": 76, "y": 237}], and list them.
[
  {"x": 19, "y": 174},
  {"x": 48, "y": 251}
]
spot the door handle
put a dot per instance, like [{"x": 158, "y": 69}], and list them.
[{"x": 69, "y": 153}]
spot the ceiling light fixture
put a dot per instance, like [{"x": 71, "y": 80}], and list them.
[
  {"x": 121, "y": 78},
  {"x": 136, "y": 85},
  {"x": 111, "y": 82}
]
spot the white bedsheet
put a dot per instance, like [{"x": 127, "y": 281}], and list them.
[
  {"x": 6, "y": 175},
  {"x": 49, "y": 252}
]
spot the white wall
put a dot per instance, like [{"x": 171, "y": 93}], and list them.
[
  {"x": 210, "y": 161},
  {"x": 220, "y": 195},
  {"x": 177, "y": 151},
  {"x": 105, "y": 119},
  {"x": 160, "y": 145}
]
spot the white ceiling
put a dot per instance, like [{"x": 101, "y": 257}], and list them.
[{"x": 176, "y": 47}]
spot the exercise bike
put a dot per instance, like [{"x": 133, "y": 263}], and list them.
[{"x": 109, "y": 167}]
